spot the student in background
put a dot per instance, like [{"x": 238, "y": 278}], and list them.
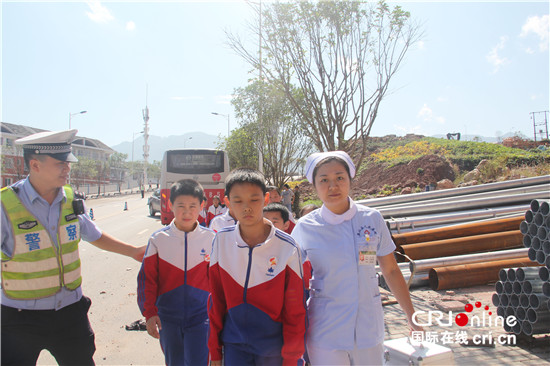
[
  {"x": 173, "y": 280},
  {"x": 215, "y": 209},
  {"x": 203, "y": 214},
  {"x": 278, "y": 215},
  {"x": 257, "y": 314}
]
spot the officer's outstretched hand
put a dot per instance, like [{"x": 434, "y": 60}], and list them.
[
  {"x": 153, "y": 326},
  {"x": 139, "y": 253}
]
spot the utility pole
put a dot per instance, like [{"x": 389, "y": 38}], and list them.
[
  {"x": 542, "y": 123},
  {"x": 145, "y": 113}
]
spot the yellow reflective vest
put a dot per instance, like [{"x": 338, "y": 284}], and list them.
[{"x": 37, "y": 268}]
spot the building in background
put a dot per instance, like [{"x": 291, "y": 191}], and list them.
[{"x": 90, "y": 152}]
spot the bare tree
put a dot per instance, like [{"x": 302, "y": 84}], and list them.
[{"x": 341, "y": 54}]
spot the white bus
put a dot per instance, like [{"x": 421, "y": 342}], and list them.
[{"x": 209, "y": 167}]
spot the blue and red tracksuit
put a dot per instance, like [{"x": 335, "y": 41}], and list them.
[
  {"x": 257, "y": 312},
  {"x": 173, "y": 284}
]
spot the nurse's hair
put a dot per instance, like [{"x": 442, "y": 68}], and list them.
[{"x": 328, "y": 160}]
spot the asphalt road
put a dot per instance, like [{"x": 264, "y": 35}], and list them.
[{"x": 110, "y": 280}]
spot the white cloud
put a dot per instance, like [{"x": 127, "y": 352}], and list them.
[
  {"x": 223, "y": 99},
  {"x": 539, "y": 26},
  {"x": 442, "y": 99},
  {"x": 188, "y": 98},
  {"x": 99, "y": 13},
  {"x": 404, "y": 129},
  {"x": 130, "y": 26},
  {"x": 420, "y": 45},
  {"x": 426, "y": 113},
  {"x": 494, "y": 58}
]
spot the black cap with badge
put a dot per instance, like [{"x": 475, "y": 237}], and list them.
[{"x": 56, "y": 144}]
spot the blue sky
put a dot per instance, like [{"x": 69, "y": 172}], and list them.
[{"x": 481, "y": 67}]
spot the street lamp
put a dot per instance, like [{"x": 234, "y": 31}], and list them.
[
  {"x": 185, "y": 140},
  {"x": 224, "y": 115},
  {"x": 74, "y": 114}
]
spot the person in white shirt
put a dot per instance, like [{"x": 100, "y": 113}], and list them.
[{"x": 343, "y": 241}]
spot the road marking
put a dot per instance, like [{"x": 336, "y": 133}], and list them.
[{"x": 143, "y": 231}]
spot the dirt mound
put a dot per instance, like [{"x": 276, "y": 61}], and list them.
[{"x": 421, "y": 172}]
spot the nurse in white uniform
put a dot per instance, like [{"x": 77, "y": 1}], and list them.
[{"x": 343, "y": 241}]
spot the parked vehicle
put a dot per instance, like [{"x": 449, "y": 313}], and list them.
[{"x": 154, "y": 203}]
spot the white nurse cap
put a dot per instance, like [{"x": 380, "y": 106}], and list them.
[{"x": 315, "y": 158}]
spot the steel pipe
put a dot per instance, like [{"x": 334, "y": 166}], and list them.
[
  {"x": 535, "y": 316},
  {"x": 473, "y": 196},
  {"x": 524, "y": 227},
  {"x": 524, "y": 301},
  {"x": 532, "y": 286},
  {"x": 516, "y": 328},
  {"x": 541, "y": 257},
  {"x": 539, "y": 219},
  {"x": 507, "y": 328},
  {"x": 521, "y": 314},
  {"x": 514, "y": 301},
  {"x": 495, "y": 299},
  {"x": 501, "y": 311},
  {"x": 469, "y": 244},
  {"x": 529, "y": 216},
  {"x": 542, "y": 233},
  {"x": 510, "y": 274},
  {"x": 516, "y": 288},
  {"x": 547, "y": 263},
  {"x": 538, "y": 301},
  {"x": 527, "y": 273},
  {"x": 535, "y": 205},
  {"x": 535, "y": 243},
  {"x": 462, "y": 205},
  {"x": 504, "y": 300},
  {"x": 468, "y": 275},
  {"x": 534, "y": 328},
  {"x": 427, "y": 264},
  {"x": 499, "y": 288},
  {"x": 527, "y": 240},
  {"x": 454, "y": 217},
  {"x": 544, "y": 208},
  {"x": 533, "y": 229},
  {"x": 532, "y": 254},
  {"x": 509, "y": 311},
  {"x": 544, "y": 273},
  {"x": 508, "y": 288},
  {"x": 461, "y": 230},
  {"x": 453, "y": 192},
  {"x": 545, "y": 245},
  {"x": 546, "y": 289}
]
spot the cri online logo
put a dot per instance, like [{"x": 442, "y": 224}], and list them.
[{"x": 462, "y": 319}]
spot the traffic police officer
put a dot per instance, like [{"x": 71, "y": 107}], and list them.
[{"x": 42, "y": 225}]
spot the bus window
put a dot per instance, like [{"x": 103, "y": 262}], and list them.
[{"x": 209, "y": 167}]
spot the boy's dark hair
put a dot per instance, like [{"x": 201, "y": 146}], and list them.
[
  {"x": 186, "y": 187},
  {"x": 277, "y": 207},
  {"x": 328, "y": 160},
  {"x": 273, "y": 188},
  {"x": 307, "y": 209},
  {"x": 244, "y": 175},
  {"x": 286, "y": 186}
]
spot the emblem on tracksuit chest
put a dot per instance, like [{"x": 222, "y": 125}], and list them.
[
  {"x": 366, "y": 232},
  {"x": 271, "y": 268},
  {"x": 205, "y": 255}
]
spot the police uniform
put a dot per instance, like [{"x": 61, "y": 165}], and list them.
[{"x": 42, "y": 302}]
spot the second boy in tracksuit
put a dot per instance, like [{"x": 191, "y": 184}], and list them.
[
  {"x": 173, "y": 280},
  {"x": 257, "y": 313}
]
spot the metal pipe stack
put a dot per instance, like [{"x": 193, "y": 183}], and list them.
[
  {"x": 530, "y": 284},
  {"x": 520, "y": 292}
]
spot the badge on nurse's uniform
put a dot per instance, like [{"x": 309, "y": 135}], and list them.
[{"x": 367, "y": 258}]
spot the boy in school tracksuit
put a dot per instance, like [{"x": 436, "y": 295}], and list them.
[
  {"x": 257, "y": 313},
  {"x": 173, "y": 281}
]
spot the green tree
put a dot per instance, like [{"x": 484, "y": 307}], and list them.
[
  {"x": 341, "y": 54},
  {"x": 83, "y": 170},
  {"x": 278, "y": 137},
  {"x": 240, "y": 149},
  {"x": 117, "y": 168}
]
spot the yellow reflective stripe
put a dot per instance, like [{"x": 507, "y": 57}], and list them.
[
  {"x": 72, "y": 276},
  {"x": 37, "y": 266},
  {"x": 34, "y": 294},
  {"x": 31, "y": 284}
]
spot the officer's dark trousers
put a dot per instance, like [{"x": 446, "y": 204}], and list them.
[{"x": 66, "y": 333}]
